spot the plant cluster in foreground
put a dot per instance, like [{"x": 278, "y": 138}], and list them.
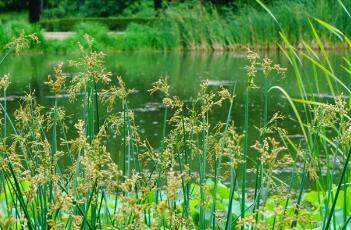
[{"x": 195, "y": 179}]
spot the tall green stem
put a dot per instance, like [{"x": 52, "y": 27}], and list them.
[
  {"x": 343, "y": 174},
  {"x": 246, "y": 149}
]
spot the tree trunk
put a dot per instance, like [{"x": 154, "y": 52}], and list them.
[
  {"x": 158, "y": 5},
  {"x": 35, "y": 10}
]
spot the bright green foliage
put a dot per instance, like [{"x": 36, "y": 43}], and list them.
[
  {"x": 190, "y": 25},
  {"x": 197, "y": 176},
  {"x": 12, "y": 29}
]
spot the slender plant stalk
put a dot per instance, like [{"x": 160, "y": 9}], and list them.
[
  {"x": 259, "y": 167},
  {"x": 233, "y": 176},
  {"x": 218, "y": 160},
  {"x": 331, "y": 213},
  {"x": 246, "y": 149}
]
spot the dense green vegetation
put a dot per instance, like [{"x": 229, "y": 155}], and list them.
[
  {"x": 112, "y": 23},
  {"x": 59, "y": 8},
  {"x": 56, "y": 174},
  {"x": 196, "y": 177},
  {"x": 205, "y": 27}
]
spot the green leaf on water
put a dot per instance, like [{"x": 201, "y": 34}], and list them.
[
  {"x": 25, "y": 187},
  {"x": 222, "y": 190},
  {"x": 314, "y": 198},
  {"x": 151, "y": 197}
]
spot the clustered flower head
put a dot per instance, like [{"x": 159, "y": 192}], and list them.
[
  {"x": 21, "y": 42},
  {"x": 328, "y": 115},
  {"x": 265, "y": 64},
  {"x": 141, "y": 186},
  {"x": 93, "y": 65},
  {"x": 57, "y": 84},
  {"x": 5, "y": 81},
  {"x": 120, "y": 92},
  {"x": 269, "y": 151},
  {"x": 160, "y": 85}
]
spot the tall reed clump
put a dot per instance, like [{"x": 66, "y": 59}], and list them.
[
  {"x": 14, "y": 29},
  {"x": 325, "y": 126},
  {"x": 198, "y": 27},
  {"x": 57, "y": 176},
  {"x": 195, "y": 26}
]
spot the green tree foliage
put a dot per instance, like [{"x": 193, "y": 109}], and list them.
[
  {"x": 35, "y": 10},
  {"x": 106, "y": 7},
  {"x": 80, "y": 7},
  {"x": 96, "y": 8},
  {"x": 12, "y": 5}
]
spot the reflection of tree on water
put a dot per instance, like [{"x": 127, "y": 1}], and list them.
[
  {"x": 36, "y": 84},
  {"x": 35, "y": 10}
]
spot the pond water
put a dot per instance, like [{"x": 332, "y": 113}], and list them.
[{"x": 185, "y": 72}]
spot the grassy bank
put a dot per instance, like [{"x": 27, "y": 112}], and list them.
[{"x": 195, "y": 27}]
